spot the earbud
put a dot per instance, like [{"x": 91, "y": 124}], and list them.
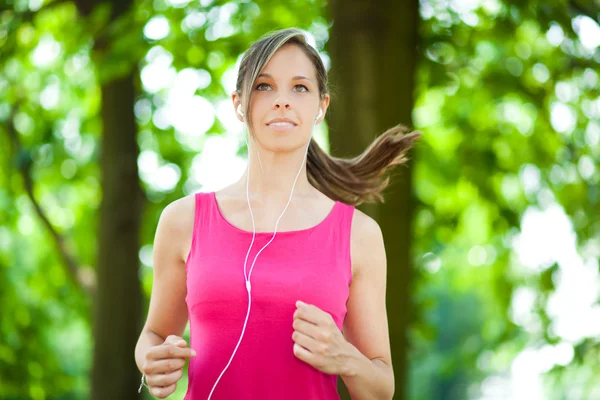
[
  {"x": 319, "y": 116},
  {"x": 240, "y": 112}
]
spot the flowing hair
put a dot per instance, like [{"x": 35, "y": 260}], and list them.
[{"x": 352, "y": 181}]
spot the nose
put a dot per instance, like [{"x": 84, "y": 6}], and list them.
[{"x": 280, "y": 102}]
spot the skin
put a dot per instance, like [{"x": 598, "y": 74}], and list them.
[{"x": 360, "y": 354}]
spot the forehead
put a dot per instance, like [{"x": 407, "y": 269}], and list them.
[{"x": 289, "y": 61}]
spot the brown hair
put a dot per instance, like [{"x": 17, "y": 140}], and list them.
[{"x": 352, "y": 181}]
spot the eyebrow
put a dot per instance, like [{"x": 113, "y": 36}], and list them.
[{"x": 295, "y": 78}]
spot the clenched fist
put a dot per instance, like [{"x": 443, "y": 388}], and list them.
[{"x": 163, "y": 366}]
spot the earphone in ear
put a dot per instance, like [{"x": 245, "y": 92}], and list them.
[
  {"x": 240, "y": 112},
  {"x": 319, "y": 116}
]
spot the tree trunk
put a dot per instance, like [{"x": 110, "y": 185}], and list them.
[
  {"x": 118, "y": 302},
  {"x": 119, "y": 299},
  {"x": 373, "y": 50}
]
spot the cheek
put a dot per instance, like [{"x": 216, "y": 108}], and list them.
[{"x": 260, "y": 107}]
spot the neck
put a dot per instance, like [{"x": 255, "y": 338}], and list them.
[{"x": 272, "y": 176}]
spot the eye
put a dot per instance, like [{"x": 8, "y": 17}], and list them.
[
  {"x": 302, "y": 86},
  {"x": 258, "y": 87}
]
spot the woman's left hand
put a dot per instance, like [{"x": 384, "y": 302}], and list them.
[{"x": 318, "y": 341}]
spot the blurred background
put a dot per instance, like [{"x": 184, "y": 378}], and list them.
[{"x": 110, "y": 110}]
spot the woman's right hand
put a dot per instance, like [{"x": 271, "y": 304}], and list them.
[{"x": 163, "y": 366}]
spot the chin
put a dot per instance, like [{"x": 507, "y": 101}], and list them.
[{"x": 285, "y": 143}]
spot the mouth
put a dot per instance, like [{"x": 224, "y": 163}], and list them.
[{"x": 281, "y": 126}]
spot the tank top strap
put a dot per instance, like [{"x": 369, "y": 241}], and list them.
[
  {"x": 346, "y": 213},
  {"x": 204, "y": 213},
  {"x": 341, "y": 223}
]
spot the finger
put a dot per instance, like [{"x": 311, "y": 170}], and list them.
[
  {"x": 303, "y": 354},
  {"x": 170, "y": 351},
  {"x": 307, "y": 315},
  {"x": 162, "y": 392},
  {"x": 305, "y": 341},
  {"x": 305, "y": 327},
  {"x": 176, "y": 340},
  {"x": 164, "y": 380},
  {"x": 317, "y": 316},
  {"x": 164, "y": 366}
]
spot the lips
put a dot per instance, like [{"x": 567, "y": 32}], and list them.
[
  {"x": 281, "y": 125},
  {"x": 281, "y": 122}
]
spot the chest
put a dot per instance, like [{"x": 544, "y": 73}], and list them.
[{"x": 291, "y": 270}]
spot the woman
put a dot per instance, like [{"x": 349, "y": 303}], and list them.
[{"x": 311, "y": 305}]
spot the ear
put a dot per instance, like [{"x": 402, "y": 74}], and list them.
[
  {"x": 237, "y": 102},
  {"x": 324, "y": 104}
]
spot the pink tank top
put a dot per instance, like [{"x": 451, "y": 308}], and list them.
[{"x": 312, "y": 265}]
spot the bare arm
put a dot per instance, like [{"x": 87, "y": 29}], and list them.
[
  {"x": 370, "y": 373},
  {"x": 167, "y": 314}
]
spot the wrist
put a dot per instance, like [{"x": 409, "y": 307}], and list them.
[{"x": 354, "y": 362}]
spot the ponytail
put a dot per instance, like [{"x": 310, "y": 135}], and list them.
[{"x": 363, "y": 178}]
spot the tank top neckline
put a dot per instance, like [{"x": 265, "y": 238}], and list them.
[{"x": 213, "y": 196}]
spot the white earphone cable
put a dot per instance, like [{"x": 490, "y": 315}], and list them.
[{"x": 247, "y": 277}]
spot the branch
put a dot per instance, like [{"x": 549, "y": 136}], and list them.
[{"x": 81, "y": 277}]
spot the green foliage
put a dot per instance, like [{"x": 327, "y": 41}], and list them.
[{"x": 487, "y": 87}]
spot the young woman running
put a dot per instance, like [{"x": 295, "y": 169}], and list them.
[{"x": 282, "y": 280}]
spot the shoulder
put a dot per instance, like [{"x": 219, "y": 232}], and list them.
[
  {"x": 176, "y": 222},
  {"x": 366, "y": 241},
  {"x": 177, "y": 213}
]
